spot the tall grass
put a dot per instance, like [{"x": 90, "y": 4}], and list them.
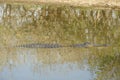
[{"x": 72, "y": 2}]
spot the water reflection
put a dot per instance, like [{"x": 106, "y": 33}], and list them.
[
  {"x": 44, "y": 64},
  {"x": 24, "y": 24},
  {"x": 57, "y": 64}
]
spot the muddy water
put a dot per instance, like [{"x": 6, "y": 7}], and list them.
[{"x": 65, "y": 25}]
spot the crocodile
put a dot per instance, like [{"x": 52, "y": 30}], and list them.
[
  {"x": 40, "y": 45},
  {"x": 88, "y": 44}
]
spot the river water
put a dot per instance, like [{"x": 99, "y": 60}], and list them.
[{"x": 59, "y": 24}]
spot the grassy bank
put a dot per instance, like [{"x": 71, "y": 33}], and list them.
[
  {"x": 65, "y": 25},
  {"x": 86, "y": 3}
]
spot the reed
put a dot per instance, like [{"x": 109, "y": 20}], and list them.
[{"x": 72, "y": 2}]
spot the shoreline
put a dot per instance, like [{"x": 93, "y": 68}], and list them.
[{"x": 76, "y": 3}]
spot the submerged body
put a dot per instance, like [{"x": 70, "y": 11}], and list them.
[{"x": 39, "y": 45}]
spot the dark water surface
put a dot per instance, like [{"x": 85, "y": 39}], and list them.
[{"x": 65, "y": 25}]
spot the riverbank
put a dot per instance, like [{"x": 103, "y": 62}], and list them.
[{"x": 84, "y": 3}]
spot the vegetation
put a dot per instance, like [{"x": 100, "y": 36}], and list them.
[
  {"x": 48, "y": 24},
  {"x": 22, "y": 23},
  {"x": 86, "y": 3}
]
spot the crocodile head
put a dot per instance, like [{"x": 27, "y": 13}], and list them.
[{"x": 88, "y": 44}]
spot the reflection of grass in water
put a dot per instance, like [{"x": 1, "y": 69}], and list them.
[
  {"x": 13, "y": 57},
  {"x": 106, "y": 59},
  {"x": 107, "y": 62},
  {"x": 8, "y": 58}
]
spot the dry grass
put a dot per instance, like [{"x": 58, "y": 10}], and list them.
[{"x": 103, "y": 3}]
